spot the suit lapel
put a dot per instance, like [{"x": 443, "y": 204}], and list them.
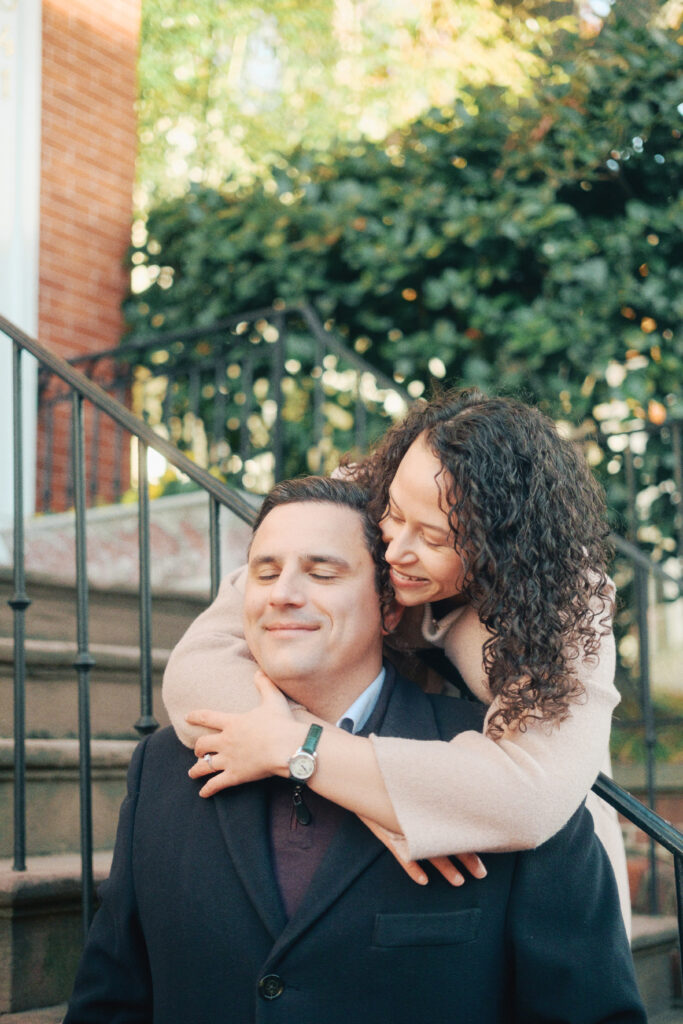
[
  {"x": 354, "y": 847},
  {"x": 243, "y": 819}
]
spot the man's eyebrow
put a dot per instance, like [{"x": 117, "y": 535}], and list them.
[
  {"x": 262, "y": 560},
  {"x": 335, "y": 560}
]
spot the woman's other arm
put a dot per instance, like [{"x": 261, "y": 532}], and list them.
[{"x": 505, "y": 794}]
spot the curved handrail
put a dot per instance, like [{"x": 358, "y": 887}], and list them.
[{"x": 129, "y": 421}]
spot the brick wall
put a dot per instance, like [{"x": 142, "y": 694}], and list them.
[{"x": 88, "y": 150}]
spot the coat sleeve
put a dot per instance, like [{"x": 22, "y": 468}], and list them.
[
  {"x": 211, "y": 666},
  {"x": 567, "y": 948},
  {"x": 113, "y": 983},
  {"x": 513, "y": 793}
]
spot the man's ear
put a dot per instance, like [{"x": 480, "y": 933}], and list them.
[{"x": 392, "y": 617}]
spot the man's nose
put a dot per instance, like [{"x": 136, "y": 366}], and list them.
[{"x": 287, "y": 590}]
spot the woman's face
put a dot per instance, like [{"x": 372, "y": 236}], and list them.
[{"x": 424, "y": 564}]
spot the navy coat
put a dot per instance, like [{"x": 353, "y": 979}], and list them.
[{"x": 192, "y": 930}]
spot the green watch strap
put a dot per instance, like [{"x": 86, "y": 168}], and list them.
[{"x": 312, "y": 737}]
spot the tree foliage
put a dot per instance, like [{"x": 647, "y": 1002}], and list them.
[
  {"x": 533, "y": 246},
  {"x": 228, "y": 86}
]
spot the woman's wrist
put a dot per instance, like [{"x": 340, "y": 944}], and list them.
[{"x": 286, "y": 739}]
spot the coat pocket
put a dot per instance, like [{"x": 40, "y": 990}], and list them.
[{"x": 426, "y": 929}]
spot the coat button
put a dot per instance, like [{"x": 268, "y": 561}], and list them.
[{"x": 271, "y": 986}]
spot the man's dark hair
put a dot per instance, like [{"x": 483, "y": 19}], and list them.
[{"x": 327, "y": 491}]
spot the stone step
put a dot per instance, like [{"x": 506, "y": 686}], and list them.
[
  {"x": 657, "y": 960},
  {"x": 113, "y": 613},
  {"x": 179, "y": 544},
  {"x": 52, "y": 689},
  {"x": 41, "y": 931},
  {"x": 52, "y": 793},
  {"x": 46, "y": 1015},
  {"x": 672, "y": 1016}
]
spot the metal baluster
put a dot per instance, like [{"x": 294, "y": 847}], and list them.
[
  {"x": 146, "y": 723},
  {"x": 278, "y": 372},
  {"x": 678, "y": 873},
  {"x": 247, "y": 391},
  {"x": 84, "y": 662},
  {"x": 169, "y": 394},
  {"x": 194, "y": 391},
  {"x": 118, "y": 457},
  {"x": 49, "y": 435},
  {"x": 640, "y": 580},
  {"x": 360, "y": 417},
  {"x": 318, "y": 392},
  {"x": 215, "y": 544},
  {"x": 94, "y": 457},
  {"x": 19, "y": 602},
  {"x": 677, "y": 445},
  {"x": 219, "y": 380},
  {"x": 632, "y": 521}
]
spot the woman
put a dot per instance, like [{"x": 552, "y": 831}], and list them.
[{"x": 495, "y": 530}]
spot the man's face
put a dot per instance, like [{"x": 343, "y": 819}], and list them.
[{"x": 311, "y": 612}]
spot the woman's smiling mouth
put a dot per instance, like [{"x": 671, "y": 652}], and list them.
[{"x": 402, "y": 579}]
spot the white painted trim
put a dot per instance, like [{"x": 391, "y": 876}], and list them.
[{"x": 20, "y": 110}]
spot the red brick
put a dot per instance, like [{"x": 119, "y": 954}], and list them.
[{"x": 88, "y": 156}]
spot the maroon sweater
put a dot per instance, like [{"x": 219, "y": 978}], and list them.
[{"x": 297, "y": 849}]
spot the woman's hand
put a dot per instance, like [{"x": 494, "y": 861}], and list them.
[
  {"x": 249, "y": 746},
  {"x": 444, "y": 865}
]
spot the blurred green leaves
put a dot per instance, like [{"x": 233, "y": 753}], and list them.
[{"x": 526, "y": 245}]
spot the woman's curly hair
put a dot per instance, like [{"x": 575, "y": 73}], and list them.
[{"x": 529, "y": 522}]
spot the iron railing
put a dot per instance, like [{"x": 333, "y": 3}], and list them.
[
  {"x": 272, "y": 392},
  {"x": 83, "y": 390},
  {"x": 258, "y": 397}
]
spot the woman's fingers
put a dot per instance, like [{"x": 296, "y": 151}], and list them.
[
  {"x": 473, "y": 863},
  {"x": 204, "y": 766},
  {"x": 446, "y": 867},
  {"x": 223, "y": 780},
  {"x": 450, "y": 871},
  {"x": 411, "y": 867},
  {"x": 208, "y": 719}
]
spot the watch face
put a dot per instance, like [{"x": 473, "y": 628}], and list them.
[{"x": 301, "y": 766}]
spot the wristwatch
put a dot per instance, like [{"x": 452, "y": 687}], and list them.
[{"x": 302, "y": 763}]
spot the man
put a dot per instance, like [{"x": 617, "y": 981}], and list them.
[{"x": 269, "y": 903}]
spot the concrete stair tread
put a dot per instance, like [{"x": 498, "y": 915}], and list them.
[
  {"x": 646, "y": 928},
  {"x": 42, "y": 651},
  {"x": 113, "y": 613},
  {"x": 51, "y": 867},
  {"x": 46, "y": 1015},
  {"x": 672, "y": 1016}
]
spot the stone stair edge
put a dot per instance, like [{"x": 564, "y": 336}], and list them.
[
  {"x": 58, "y": 873},
  {"x": 51, "y": 652},
  {"x": 64, "y": 753},
  {"x": 47, "y": 581},
  {"x": 649, "y": 930},
  {"x": 44, "y": 1015}
]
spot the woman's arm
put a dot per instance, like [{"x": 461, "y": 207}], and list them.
[
  {"x": 211, "y": 666},
  {"x": 472, "y": 793},
  {"x": 505, "y": 794}
]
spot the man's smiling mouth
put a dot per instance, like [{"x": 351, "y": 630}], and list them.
[{"x": 306, "y": 627}]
